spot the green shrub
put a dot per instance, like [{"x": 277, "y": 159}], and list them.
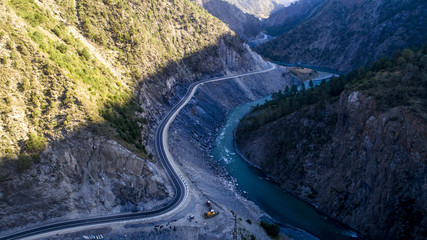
[
  {"x": 10, "y": 45},
  {"x": 9, "y": 153},
  {"x": 30, "y": 11},
  {"x": 3, "y": 60},
  {"x": 271, "y": 229},
  {"x": 123, "y": 119},
  {"x": 84, "y": 53},
  {"x": 37, "y": 37},
  {"x": 62, "y": 48},
  {"x": 24, "y": 162},
  {"x": 36, "y": 158},
  {"x": 35, "y": 143},
  {"x": 48, "y": 68},
  {"x": 401, "y": 61},
  {"x": 57, "y": 31},
  {"x": 25, "y": 85}
]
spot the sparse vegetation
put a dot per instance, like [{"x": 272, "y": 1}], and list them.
[
  {"x": 84, "y": 53},
  {"x": 35, "y": 143},
  {"x": 30, "y": 11},
  {"x": 271, "y": 229},
  {"x": 144, "y": 33},
  {"x": 24, "y": 162}
]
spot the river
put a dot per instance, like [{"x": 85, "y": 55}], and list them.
[{"x": 280, "y": 205}]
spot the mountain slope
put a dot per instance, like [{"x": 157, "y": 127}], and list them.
[
  {"x": 259, "y": 8},
  {"x": 83, "y": 84},
  {"x": 244, "y": 24},
  {"x": 348, "y": 34},
  {"x": 289, "y": 17},
  {"x": 354, "y": 147}
]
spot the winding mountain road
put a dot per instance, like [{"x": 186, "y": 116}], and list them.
[{"x": 177, "y": 177}]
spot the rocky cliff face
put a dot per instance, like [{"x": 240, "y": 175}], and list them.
[
  {"x": 159, "y": 96},
  {"x": 348, "y": 34},
  {"x": 82, "y": 175},
  {"x": 363, "y": 167}
]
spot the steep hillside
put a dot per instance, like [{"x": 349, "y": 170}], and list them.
[
  {"x": 348, "y": 34},
  {"x": 259, "y": 8},
  {"x": 83, "y": 84},
  {"x": 354, "y": 147},
  {"x": 289, "y": 17},
  {"x": 247, "y": 26}
]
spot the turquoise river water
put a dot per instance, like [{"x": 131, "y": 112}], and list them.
[{"x": 280, "y": 205}]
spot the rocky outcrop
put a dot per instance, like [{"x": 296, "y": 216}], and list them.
[
  {"x": 359, "y": 165},
  {"x": 82, "y": 175},
  {"x": 344, "y": 35}
]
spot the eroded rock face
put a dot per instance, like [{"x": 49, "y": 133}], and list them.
[
  {"x": 82, "y": 175},
  {"x": 363, "y": 167}
]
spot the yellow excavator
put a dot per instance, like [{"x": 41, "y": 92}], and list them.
[{"x": 210, "y": 213}]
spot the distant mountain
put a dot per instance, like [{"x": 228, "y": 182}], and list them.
[
  {"x": 289, "y": 17},
  {"x": 348, "y": 34},
  {"x": 244, "y": 16},
  {"x": 260, "y": 8},
  {"x": 247, "y": 26}
]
